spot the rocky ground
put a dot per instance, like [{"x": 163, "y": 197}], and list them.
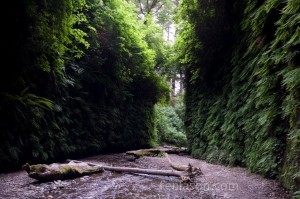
[{"x": 216, "y": 182}]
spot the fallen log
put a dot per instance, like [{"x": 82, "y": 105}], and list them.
[
  {"x": 163, "y": 151},
  {"x": 186, "y": 173},
  {"x": 157, "y": 151},
  {"x": 56, "y": 171},
  {"x": 76, "y": 168},
  {"x": 182, "y": 167}
]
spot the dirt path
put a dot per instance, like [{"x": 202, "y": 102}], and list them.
[{"x": 217, "y": 182}]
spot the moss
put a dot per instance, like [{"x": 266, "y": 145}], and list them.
[
  {"x": 40, "y": 168},
  {"x": 59, "y": 172},
  {"x": 71, "y": 170},
  {"x": 147, "y": 152}
]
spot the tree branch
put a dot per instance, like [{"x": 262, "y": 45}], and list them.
[
  {"x": 148, "y": 10},
  {"x": 141, "y": 8},
  {"x": 159, "y": 8},
  {"x": 154, "y": 2}
]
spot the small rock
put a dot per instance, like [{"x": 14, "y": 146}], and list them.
[
  {"x": 84, "y": 178},
  {"x": 57, "y": 182}
]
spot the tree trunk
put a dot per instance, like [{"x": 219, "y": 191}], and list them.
[
  {"x": 56, "y": 171},
  {"x": 157, "y": 151},
  {"x": 145, "y": 171},
  {"x": 180, "y": 83},
  {"x": 168, "y": 33},
  {"x": 173, "y": 97},
  {"x": 185, "y": 175},
  {"x": 183, "y": 167},
  {"x": 76, "y": 168}
]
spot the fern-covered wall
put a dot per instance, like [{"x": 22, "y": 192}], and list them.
[
  {"x": 82, "y": 82},
  {"x": 243, "y": 84}
]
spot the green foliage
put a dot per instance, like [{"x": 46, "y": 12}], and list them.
[
  {"x": 163, "y": 9},
  {"x": 52, "y": 31},
  {"x": 296, "y": 195},
  {"x": 242, "y": 95},
  {"x": 154, "y": 38},
  {"x": 84, "y": 82},
  {"x": 179, "y": 107},
  {"x": 170, "y": 128}
]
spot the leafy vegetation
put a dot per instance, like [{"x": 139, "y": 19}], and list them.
[
  {"x": 170, "y": 127},
  {"x": 242, "y": 75},
  {"x": 84, "y": 82},
  {"x": 84, "y": 77}
]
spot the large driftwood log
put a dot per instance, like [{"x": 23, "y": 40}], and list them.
[
  {"x": 57, "y": 171},
  {"x": 157, "y": 151},
  {"x": 75, "y": 168},
  {"x": 163, "y": 151},
  {"x": 185, "y": 174}
]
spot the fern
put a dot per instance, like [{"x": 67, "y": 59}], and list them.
[{"x": 243, "y": 102}]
